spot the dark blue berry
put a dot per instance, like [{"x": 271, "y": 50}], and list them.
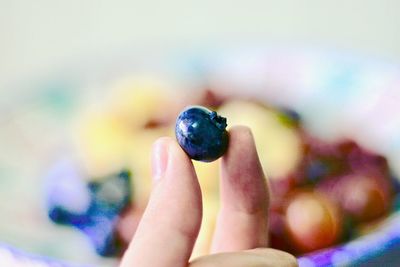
[
  {"x": 92, "y": 207},
  {"x": 67, "y": 197},
  {"x": 202, "y": 133}
]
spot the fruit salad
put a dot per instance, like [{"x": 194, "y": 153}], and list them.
[{"x": 322, "y": 193}]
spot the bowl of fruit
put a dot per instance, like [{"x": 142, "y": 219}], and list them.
[{"x": 324, "y": 125}]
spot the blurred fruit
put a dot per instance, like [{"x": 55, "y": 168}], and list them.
[
  {"x": 278, "y": 235},
  {"x": 210, "y": 213},
  {"x": 67, "y": 197},
  {"x": 111, "y": 195},
  {"x": 101, "y": 232},
  {"x": 313, "y": 222},
  {"x": 97, "y": 219},
  {"x": 208, "y": 175},
  {"x": 211, "y": 99},
  {"x": 201, "y": 133},
  {"x": 278, "y": 145},
  {"x": 363, "y": 197},
  {"x": 142, "y": 101},
  {"x": 102, "y": 144},
  {"x": 352, "y": 186},
  {"x": 320, "y": 160},
  {"x": 289, "y": 117},
  {"x": 281, "y": 186}
]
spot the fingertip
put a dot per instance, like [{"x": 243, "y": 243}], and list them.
[
  {"x": 241, "y": 144},
  {"x": 161, "y": 140},
  {"x": 180, "y": 163},
  {"x": 179, "y": 153},
  {"x": 169, "y": 159},
  {"x": 172, "y": 219},
  {"x": 173, "y": 166},
  {"x": 242, "y": 131},
  {"x": 160, "y": 157}
]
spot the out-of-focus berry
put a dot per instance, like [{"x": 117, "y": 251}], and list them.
[
  {"x": 98, "y": 207},
  {"x": 363, "y": 197},
  {"x": 313, "y": 222}
]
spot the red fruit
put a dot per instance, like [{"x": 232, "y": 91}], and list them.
[
  {"x": 313, "y": 221},
  {"x": 363, "y": 197},
  {"x": 360, "y": 159},
  {"x": 279, "y": 189},
  {"x": 278, "y": 236},
  {"x": 210, "y": 98},
  {"x": 365, "y": 200},
  {"x": 320, "y": 160}
]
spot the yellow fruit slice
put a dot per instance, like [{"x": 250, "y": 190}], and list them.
[{"x": 278, "y": 145}]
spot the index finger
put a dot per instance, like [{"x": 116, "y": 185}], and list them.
[{"x": 171, "y": 221}]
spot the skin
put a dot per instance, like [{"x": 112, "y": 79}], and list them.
[{"x": 168, "y": 230}]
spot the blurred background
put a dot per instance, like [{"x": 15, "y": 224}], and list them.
[
  {"x": 38, "y": 36},
  {"x": 83, "y": 84}
]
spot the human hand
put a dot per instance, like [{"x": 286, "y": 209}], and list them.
[{"x": 171, "y": 222}]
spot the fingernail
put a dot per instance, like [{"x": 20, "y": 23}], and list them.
[{"x": 160, "y": 158}]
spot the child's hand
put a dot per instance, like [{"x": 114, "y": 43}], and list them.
[{"x": 171, "y": 222}]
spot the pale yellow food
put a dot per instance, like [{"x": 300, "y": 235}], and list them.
[
  {"x": 208, "y": 174},
  {"x": 278, "y": 145},
  {"x": 139, "y": 100},
  {"x": 210, "y": 212},
  {"x": 102, "y": 144}
]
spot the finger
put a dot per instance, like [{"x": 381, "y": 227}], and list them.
[
  {"x": 250, "y": 258},
  {"x": 242, "y": 220},
  {"x": 171, "y": 221}
]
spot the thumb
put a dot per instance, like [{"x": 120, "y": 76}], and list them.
[{"x": 168, "y": 230}]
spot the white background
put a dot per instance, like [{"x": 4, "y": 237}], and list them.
[{"x": 38, "y": 35}]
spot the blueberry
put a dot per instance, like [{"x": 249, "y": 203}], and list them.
[
  {"x": 67, "y": 196},
  {"x": 111, "y": 195},
  {"x": 92, "y": 207},
  {"x": 201, "y": 133}
]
